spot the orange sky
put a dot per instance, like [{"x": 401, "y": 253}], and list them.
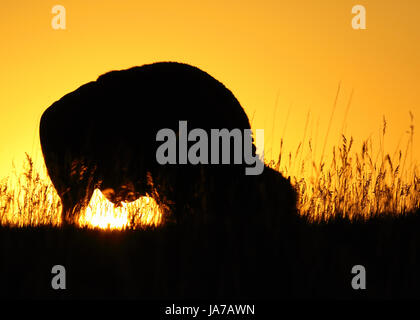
[{"x": 298, "y": 51}]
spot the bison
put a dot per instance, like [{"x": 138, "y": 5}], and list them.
[{"x": 103, "y": 135}]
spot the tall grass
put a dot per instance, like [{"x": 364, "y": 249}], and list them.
[
  {"x": 26, "y": 199},
  {"x": 354, "y": 185}
]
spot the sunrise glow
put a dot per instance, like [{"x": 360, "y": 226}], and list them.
[{"x": 102, "y": 213}]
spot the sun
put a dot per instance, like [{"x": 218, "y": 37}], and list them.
[{"x": 102, "y": 214}]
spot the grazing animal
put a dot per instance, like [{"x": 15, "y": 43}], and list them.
[{"x": 103, "y": 135}]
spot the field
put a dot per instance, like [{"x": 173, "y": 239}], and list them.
[
  {"x": 244, "y": 260},
  {"x": 360, "y": 209}
]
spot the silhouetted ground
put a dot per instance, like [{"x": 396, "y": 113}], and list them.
[{"x": 250, "y": 259}]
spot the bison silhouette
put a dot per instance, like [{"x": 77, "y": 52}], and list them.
[{"x": 103, "y": 135}]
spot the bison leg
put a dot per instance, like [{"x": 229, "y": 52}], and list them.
[{"x": 73, "y": 202}]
